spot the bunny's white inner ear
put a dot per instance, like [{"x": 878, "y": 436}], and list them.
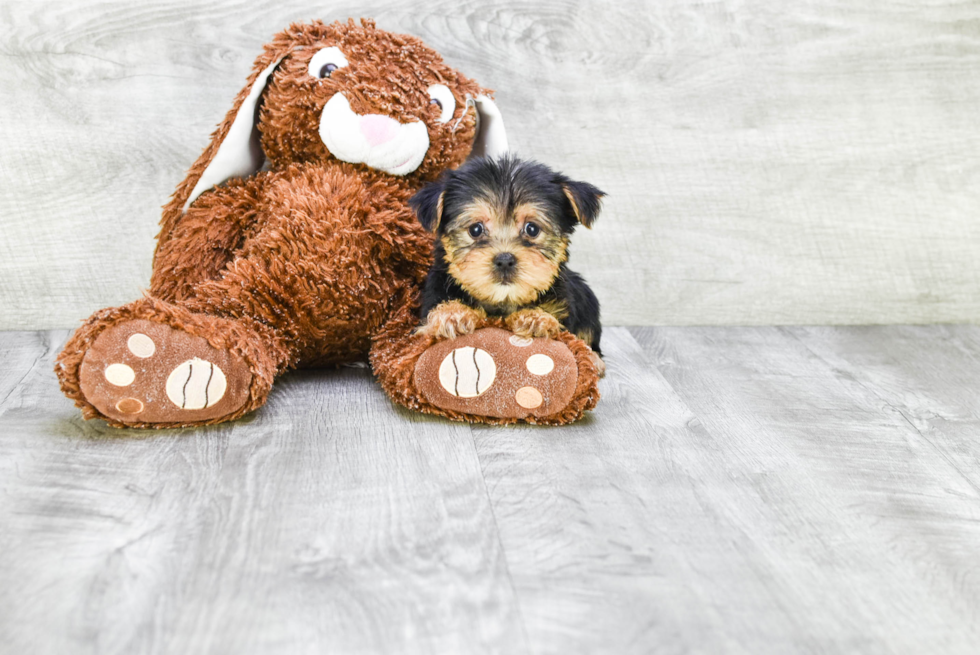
[
  {"x": 491, "y": 137},
  {"x": 240, "y": 153}
]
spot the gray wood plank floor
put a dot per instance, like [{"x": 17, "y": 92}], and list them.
[{"x": 738, "y": 490}]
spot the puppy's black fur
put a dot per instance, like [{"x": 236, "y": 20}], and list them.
[{"x": 504, "y": 196}]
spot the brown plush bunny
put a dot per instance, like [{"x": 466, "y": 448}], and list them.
[{"x": 291, "y": 243}]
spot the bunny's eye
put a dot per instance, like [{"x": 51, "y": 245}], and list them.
[
  {"x": 326, "y": 61},
  {"x": 443, "y": 98}
]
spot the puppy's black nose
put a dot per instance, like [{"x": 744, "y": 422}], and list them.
[{"x": 504, "y": 262}]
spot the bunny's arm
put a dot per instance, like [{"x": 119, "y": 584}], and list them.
[{"x": 203, "y": 240}]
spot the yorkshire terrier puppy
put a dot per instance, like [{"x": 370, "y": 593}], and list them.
[{"x": 502, "y": 229}]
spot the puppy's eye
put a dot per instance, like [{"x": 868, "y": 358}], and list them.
[
  {"x": 443, "y": 98},
  {"x": 532, "y": 229},
  {"x": 476, "y": 230},
  {"x": 326, "y": 61}
]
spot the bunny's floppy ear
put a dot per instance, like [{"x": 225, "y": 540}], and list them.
[
  {"x": 491, "y": 137},
  {"x": 239, "y": 151},
  {"x": 234, "y": 150}
]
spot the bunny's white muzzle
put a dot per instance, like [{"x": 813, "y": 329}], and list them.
[{"x": 378, "y": 141}]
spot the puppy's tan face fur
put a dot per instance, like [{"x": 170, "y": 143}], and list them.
[{"x": 484, "y": 230}]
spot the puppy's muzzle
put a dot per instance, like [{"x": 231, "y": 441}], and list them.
[{"x": 504, "y": 267}]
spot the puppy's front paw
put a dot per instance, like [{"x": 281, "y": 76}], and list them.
[
  {"x": 600, "y": 366},
  {"x": 452, "y": 319},
  {"x": 533, "y": 323}
]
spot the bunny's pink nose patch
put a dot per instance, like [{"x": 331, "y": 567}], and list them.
[
  {"x": 378, "y": 129},
  {"x": 379, "y": 141}
]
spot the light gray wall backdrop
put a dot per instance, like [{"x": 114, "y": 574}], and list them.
[{"x": 766, "y": 162}]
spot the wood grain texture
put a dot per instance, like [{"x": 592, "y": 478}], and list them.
[
  {"x": 858, "y": 531},
  {"x": 935, "y": 388},
  {"x": 737, "y": 490},
  {"x": 328, "y": 523},
  {"x": 765, "y": 163},
  {"x": 598, "y": 520}
]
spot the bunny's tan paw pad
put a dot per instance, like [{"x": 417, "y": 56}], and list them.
[
  {"x": 141, "y": 372},
  {"x": 495, "y": 373}
]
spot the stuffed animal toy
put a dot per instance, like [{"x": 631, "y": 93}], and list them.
[{"x": 291, "y": 243}]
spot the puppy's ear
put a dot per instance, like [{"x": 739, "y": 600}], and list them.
[
  {"x": 585, "y": 199},
  {"x": 427, "y": 205}
]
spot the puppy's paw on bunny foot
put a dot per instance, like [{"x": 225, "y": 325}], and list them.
[
  {"x": 452, "y": 319},
  {"x": 533, "y": 324},
  {"x": 600, "y": 365}
]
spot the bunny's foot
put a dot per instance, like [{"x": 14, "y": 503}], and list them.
[
  {"x": 497, "y": 375},
  {"x": 154, "y": 364},
  {"x": 145, "y": 372}
]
